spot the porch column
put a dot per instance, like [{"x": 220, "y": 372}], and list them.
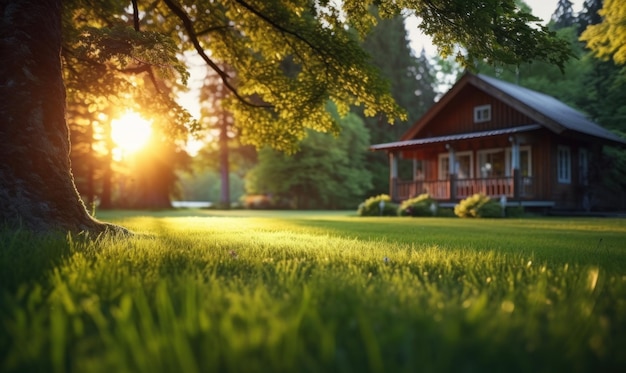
[
  {"x": 515, "y": 166},
  {"x": 393, "y": 175},
  {"x": 452, "y": 170}
]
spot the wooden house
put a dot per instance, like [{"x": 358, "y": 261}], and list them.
[{"x": 502, "y": 140}]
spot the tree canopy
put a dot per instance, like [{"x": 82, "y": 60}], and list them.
[
  {"x": 607, "y": 39},
  {"x": 273, "y": 105}
]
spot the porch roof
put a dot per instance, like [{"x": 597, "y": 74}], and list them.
[{"x": 456, "y": 137}]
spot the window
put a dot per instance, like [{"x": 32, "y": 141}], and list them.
[
  {"x": 583, "y": 166},
  {"x": 482, "y": 113},
  {"x": 525, "y": 162},
  {"x": 564, "y": 165},
  {"x": 418, "y": 169},
  {"x": 491, "y": 163},
  {"x": 444, "y": 167},
  {"x": 462, "y": 167}
]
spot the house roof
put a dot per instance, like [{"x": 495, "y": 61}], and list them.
[
  {"x": 463, "y": 136},
  {"x": 545, "y": 110},
  {"x": 562, "y": 115}
]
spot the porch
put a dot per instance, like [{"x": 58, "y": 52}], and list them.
[{"x": 456, "y": 189}]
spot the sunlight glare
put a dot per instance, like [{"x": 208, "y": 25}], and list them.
[{"x": 130, "y": 132}]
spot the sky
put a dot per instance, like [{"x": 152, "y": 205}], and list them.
[{"x": 541, "y": 8}]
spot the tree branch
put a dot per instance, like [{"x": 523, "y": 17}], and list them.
[
  {"x": 211, "y": 29},
  {"x": 135, "y": 15},
  {"x": 188, "y": 25},
  {"x": 145, "y": 68},
  {"x": 279, "y": 27}
]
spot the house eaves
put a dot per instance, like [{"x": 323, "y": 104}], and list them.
[{"x": 398, "y": 145}]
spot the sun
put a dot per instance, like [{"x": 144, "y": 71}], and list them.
[{"x": 130, "y": 132}]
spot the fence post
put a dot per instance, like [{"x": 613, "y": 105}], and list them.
[
  {"x": 453, "y": 184},
  {"x": 393, "y": 176}
]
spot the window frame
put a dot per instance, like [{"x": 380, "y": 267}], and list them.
[
  {"x": 509, "y": 161},
  {"x": 485, "y": 152},
  {"x": 482, "y": 113},
  {"x": 442, "y": 172},
  {"x": 564, "y": 164}
]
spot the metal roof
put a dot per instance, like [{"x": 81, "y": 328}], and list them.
[
  {"x": 543, "y": 110},
  {"x": 564, "y": 115},
  {"x": 447, "y": 138}
]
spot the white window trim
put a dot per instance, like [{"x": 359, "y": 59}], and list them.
[
  {"x": 443, "y": 171},
  {"x": 480, "y": 153},
  {"x": 482, "y": 113},
  {"x": 509, "y": 157},
  {"x": 564, "y": 164}
]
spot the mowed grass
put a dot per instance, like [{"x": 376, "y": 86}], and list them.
[{"x": 241, "y": 291}]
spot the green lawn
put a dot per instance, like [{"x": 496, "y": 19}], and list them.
[{"x": 250, "y": 291}]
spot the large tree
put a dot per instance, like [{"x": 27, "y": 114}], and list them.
[{"x": 37, "y": 191}]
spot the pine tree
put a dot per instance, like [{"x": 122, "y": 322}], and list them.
[
  {"x": 225, "y": 154},
  {"x": 589, "y": 14},
  {"x": 410, "y": 77},
  {"x": 412, "y": 83},
  {"x": 563, "y": 16}
]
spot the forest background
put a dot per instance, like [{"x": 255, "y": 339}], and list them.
[{"x": 328, "y": 171}]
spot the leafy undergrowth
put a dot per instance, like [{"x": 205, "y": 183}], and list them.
[{"x": 298, "y": 294}]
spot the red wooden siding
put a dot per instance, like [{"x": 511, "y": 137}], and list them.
[{"x": 460, "y": 117}]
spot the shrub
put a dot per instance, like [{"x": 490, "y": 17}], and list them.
[
  {"x": 371, "y": 206},
  {"x": 445, "y": 212},
  {"x": 515, "y": 212},
  {"x": 491, "y": 209},
  {"x": 418, "y": 206},
  {"x": 478, "y": 206}
]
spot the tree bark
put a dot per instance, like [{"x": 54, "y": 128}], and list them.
[
  {"x": 224, "y": 164},
  {"x": 37, "y": 190}
]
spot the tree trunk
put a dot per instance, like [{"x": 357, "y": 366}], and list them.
[
  {"x": 224, "y": 169},
  {"x": 106, "y": 201},
  {"x": 37, "y": 190}
]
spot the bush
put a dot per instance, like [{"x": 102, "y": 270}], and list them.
[
  {"x": 371, "y": 206},
  {"x": 418, "y": 206},
  {"x": 445, "y": 212},
  {"x": 515, "y": 212},
  {"x": 478, "y": 206}
]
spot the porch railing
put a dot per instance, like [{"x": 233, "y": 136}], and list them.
[{"x": 441, "y": 189}]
